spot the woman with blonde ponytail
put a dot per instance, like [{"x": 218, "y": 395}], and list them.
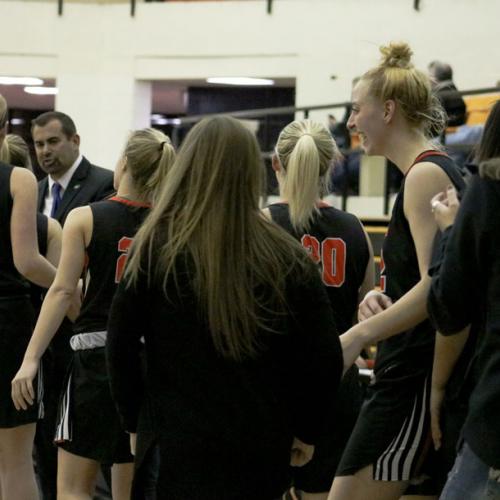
[
  {"x": 335, "y": 240},
  {"x": 241, "y": 350},
  {"x": 96, "y": 241},
  {"x": 394, "y": 113}
]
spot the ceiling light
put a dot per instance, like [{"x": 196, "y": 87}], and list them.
[
  {"x": 239, "y": 80},
  {"x": 41, "y": 90},
  {"x": 20, "y": 80}
]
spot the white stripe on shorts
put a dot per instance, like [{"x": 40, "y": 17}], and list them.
[
  {"x": 39, "y": 396},
  {"x": 397, "y": 461},
  {"x": 63, "y": 428}
]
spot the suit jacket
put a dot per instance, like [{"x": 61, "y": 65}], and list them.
[{"x": 89, "y": 183}]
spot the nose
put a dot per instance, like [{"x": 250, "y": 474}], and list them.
[
  {"x": 46, "y": 149},
  {"x": 350, "y": 122}
]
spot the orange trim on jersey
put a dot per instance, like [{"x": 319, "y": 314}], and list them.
[
  {"x": 422, "y": 156},
  {"x": 130, "y": 203}
]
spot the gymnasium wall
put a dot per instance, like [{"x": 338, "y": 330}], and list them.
[{"x": 102, "y": 58}]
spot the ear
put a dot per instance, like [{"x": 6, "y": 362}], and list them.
[
  {"x": 389, "y": 110},
  {"x": 275, "y": 163},
  {"x": 76, "y": 140}
]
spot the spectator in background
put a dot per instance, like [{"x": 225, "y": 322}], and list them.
[{"x": 441, "y": 76}]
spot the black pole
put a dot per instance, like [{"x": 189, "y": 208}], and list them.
[
  {"x": 306, "y": 114},
  {"x": 416, "y": 5},
  {"x": 132, "y": 8},
  {"x": 269, "y": 6},
  {"x": 59, "y": 7}
]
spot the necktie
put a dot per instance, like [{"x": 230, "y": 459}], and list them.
[{"x": 56, "y": 198}]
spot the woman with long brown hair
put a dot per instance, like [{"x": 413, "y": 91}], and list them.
[{"x": 241, "y": 350}]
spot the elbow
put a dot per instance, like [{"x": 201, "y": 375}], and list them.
[
  {"x": 26, "y": 266},
  {"x": 62, "y": 292}
]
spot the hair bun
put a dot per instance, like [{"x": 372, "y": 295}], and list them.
[{"x": 396, "y": 55}]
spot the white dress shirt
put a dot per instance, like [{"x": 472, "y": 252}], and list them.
[{"x": 63, "y": 181}]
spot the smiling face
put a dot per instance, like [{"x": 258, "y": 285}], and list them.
[
  {"x": 54, "y": 150},
  {"x": 368, "y": 118}
]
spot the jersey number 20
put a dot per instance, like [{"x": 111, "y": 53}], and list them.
[{"x": 331, "y": 253}]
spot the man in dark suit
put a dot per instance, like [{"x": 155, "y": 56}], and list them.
[{"x": 72, "y": 181}]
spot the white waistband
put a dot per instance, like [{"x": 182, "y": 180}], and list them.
[{"x": 90, "y": 340}]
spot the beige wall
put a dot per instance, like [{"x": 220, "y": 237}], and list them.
[{"x": 99, "y": 54}]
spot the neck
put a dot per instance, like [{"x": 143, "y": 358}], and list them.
[
  {"x": 404, "y": 147},
  {"x": 127, "y": 190}
]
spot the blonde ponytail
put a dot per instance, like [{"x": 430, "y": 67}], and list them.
[
  {"x": 306, "y": 151},
  {"x": 149, "y": 155}
]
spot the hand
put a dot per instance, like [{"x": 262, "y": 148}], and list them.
[
  {"x": 374, "y": 302},
  {"x": 133, "y": 442},
  {"x": 352, "y": 345},
  {"x": 301, "y": 453},
  {"x": 22, "y": 392},
  {"x": 437, "y": 397},
  {"x": 445, "y": 206}
]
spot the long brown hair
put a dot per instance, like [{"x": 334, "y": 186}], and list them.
[{"x": 208, "y": 210}]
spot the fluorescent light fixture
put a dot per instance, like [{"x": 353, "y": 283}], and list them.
[
  {"x": 41, "y": 90},
  {"x": 240, "y": 80},
  {"x": 157, "y": 119},
  {"x": 160, "y": 121},
  {"x": 16, "y": 121},
  {"x": 20, "y": 80}
]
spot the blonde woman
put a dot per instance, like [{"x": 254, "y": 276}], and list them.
[
  {"x": 335, "y": 240},
  {"x": 19, "y": 259},
  {"x": 96, "y": 240},
  {"x": 16, "y": 152},
  {"x": 394, "y": 113},
  {"x": 241, "y": 350}
]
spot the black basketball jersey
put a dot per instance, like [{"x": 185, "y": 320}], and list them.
[
  {"x": 337, "y": 243},
  {"x": 115, "y": 222},
  {"x": 12, "y": 284},
  {"x": 400, "y": 272}
]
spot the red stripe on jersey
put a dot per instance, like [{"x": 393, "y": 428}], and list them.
[
  {"x": 130, "y": 203},
  {"x": 422, "y": 156}
]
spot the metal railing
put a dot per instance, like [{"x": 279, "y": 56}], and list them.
[{"x": 265, "y": 113}]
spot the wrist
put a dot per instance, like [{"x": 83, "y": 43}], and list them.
[{"x": 31, "y": 358}]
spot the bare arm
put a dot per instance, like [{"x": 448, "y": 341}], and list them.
[
  {"x": 57, "y": 301},
  {"x": 26, "y": 255},
  {"x": 421, "y": 185},
  {"x": 54, "y": 240}
]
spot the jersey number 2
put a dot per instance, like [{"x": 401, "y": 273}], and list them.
[
  {"x": 331, "y": 253},
  {"x": 123, "y": 246}
]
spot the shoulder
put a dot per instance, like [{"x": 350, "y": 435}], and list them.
[
  {"x": 79, "y": 217},
  {"x": 96, "y": 172},
  {"x": 423, "y": 181},
  {"x": 22, "y": 178},
  {"x": 424, "y": 172}
]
